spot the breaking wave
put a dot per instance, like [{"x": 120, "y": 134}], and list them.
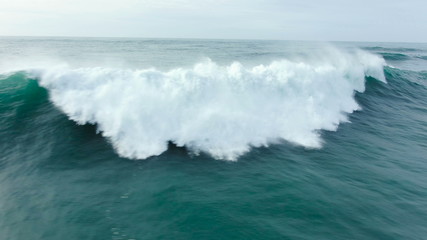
[{"x": 219, "y": 110}]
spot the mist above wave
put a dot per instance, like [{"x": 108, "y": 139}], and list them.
[{"x": 219, "y": 110}]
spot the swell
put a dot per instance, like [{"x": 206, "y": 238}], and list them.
[
  {"x": 220, "y": 110},
  {"x": 407, "y": 85},
  {"x": 391, "y": 49},
  {"x": 422, "y": 57},
  {"x": 394, "y": 56}
]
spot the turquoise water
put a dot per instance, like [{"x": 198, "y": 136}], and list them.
[{"x": 107, "y": 139}]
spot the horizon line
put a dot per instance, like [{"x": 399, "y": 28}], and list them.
[{"x": 201, "y": 38}]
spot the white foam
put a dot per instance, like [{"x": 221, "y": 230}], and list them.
[{"x": 220, "y": 110}]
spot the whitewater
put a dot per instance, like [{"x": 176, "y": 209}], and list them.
[{"x": 221, "y": 110}]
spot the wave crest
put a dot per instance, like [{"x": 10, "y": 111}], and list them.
[{"x": 220, "y": 110}]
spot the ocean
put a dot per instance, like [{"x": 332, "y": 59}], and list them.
[{"x": 114, "y": 138}]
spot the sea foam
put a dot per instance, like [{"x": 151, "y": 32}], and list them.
[{"x": 219, "y": 110}]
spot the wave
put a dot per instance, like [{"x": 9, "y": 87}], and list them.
[
  {"x": 219, "y": 110},
  {"x": 392, "y": 49},
  {"x": 394, "y": 56},
  {"x": 422, "y": 57},
  {"x": 402, "y": 77}
]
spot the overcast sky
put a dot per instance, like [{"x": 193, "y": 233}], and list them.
[{"x": 362, "y": 20}]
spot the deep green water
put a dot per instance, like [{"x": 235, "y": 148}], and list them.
[{"x": 61, "y": 180}]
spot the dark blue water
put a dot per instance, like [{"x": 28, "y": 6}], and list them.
[{"x": 79, "y": 160}]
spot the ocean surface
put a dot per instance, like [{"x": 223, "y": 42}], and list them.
[{"x": 212, "y": 139}]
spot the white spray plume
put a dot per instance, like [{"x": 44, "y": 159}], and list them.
[{"x": 220, "y": 110}]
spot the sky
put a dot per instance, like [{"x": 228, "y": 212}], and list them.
[{"x": 327, "y": 20}]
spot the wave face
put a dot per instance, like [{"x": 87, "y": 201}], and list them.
[{"x": 219, "y": 110}]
